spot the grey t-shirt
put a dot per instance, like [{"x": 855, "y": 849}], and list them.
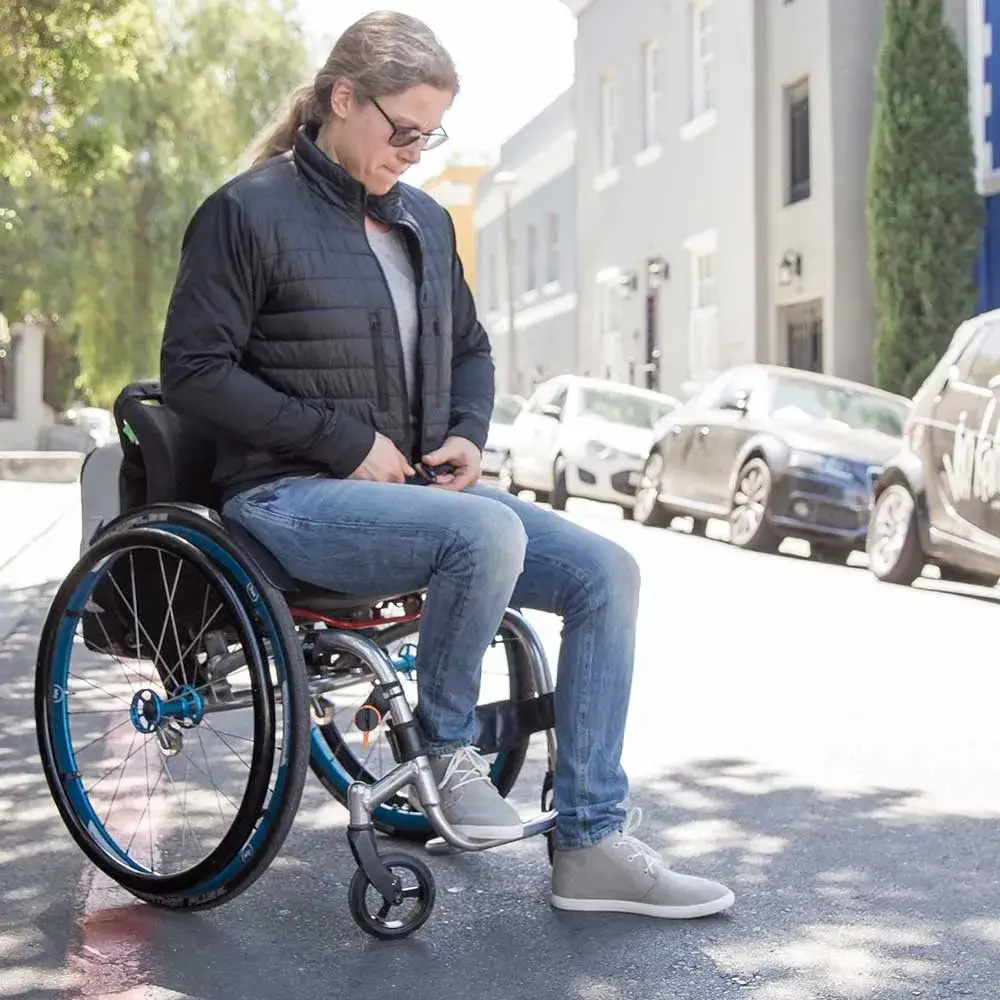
[{"x": 390, "y": 248}]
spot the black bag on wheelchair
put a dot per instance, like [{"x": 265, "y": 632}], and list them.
[{"x": 164, "y": 459}]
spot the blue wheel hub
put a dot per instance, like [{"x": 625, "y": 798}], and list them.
[
  {"x": 406, "y": 662},
  {"x": 149, "y": 712}
]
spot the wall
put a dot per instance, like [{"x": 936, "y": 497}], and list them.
[
  {"x": 30, "y": 412},
  {"x": 455, "y": 189}
]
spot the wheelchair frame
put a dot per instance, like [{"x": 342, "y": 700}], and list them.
[{"x": 412, "y": 765}]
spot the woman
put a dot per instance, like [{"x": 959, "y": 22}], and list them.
[{"x": 322, "y": 325}]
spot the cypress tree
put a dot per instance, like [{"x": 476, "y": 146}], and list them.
[{"x": 924, "y": 214}]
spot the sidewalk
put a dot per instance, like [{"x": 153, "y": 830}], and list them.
[{"x": 39, "y": 543}]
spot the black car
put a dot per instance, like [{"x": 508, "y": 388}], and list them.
[
  {"x": 937, "y": 502},
  {"x": 778, "y": 452}
]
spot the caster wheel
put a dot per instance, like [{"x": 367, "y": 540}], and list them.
[{"x": 393, "y": 920}]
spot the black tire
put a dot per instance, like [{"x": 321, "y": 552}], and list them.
[
  {"x": 425, "y": 892},
  {"x": 264, "y": 816},
  {"x": 699, "y": 527},
  {"x": 392, "y": 818},
  {"x": 648, "y": 510},
  {"x": 757, "y": 533},
  {"x": 893, "y": 548},
  {"x": 559, "y": 496}
]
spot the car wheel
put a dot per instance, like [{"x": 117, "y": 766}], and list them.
[
  {"x": 749, "y": 527},
  {"x": 893, "y": 545},
  {"x": 560, "y": 494},
  {"x": 647, "y": 509}
]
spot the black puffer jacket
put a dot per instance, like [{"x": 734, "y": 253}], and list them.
[{"x": 281, "y": 333}]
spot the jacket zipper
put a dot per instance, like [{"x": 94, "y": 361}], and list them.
[
  {"x": 382, "y": 399},
  {"x": 381, "y": 368}
]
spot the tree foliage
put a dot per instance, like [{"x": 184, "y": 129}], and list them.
[
  {"x": 924, "y": 215},
  {"x": 92, "y": 253}
]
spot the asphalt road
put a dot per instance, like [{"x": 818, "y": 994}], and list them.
[{"x": 825, "y": 744}]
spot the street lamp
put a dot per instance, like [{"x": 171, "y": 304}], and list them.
[{"x": 505, "y": 181}]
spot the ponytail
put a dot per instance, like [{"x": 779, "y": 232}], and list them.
[{"x": 278, "y": 136}]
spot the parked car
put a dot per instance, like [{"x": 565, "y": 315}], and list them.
[
  {"x": 937, "y": 501},
  {"x": 583, "y": 437},
  {"x": 506, "y": 407},
  {"x": 777, "y": 452}
]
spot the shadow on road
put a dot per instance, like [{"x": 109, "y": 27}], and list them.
[{"x": 860, "y": 896}]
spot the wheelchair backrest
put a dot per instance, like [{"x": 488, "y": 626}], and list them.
[{"x": 166, "y": 458}]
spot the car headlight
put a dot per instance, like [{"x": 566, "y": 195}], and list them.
[
  {"x": 807, "y": 460},
  {"x": 600, "y": 451},
  {"x": 829, "y": 464}
]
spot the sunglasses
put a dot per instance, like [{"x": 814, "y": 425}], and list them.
[{"x": 407, "y": 135}]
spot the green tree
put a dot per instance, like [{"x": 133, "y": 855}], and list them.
[
  {"x": 96, "y": 262},
  {"x": 924, "y": 215},
  {"x": 54, "y": 57}
]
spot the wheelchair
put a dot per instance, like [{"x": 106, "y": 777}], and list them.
[{"x": 192, "y": 636}]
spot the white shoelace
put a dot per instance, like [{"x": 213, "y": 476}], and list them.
[
  {"x": 649, "y": 857},
  {"x": 465, "y": 766}
]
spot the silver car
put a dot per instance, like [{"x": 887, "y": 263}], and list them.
[
  {"x": 583, "y": 437},
  {"x": 506, "y": 407}
]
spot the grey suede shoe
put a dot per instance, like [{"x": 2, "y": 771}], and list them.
[
  {"x": 621, "y": 874},
  {"x": 470, "y": 801}
]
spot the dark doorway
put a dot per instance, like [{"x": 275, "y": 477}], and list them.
[{"x": 804, "y": 336}]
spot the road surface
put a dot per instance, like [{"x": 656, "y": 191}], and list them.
[{"x": 825, "y": 744}]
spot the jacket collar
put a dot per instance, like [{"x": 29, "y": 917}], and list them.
[{"x": 335, "y": 184}]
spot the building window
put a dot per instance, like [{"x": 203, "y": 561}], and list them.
[
  {"x": 8, "y": 350},
  {"x": 609, "y": 124},
  {"x": 702, "y": 58},
  {"x": 703, "y": 311},
  {"x": 797, "y": 106},
  {"x": 552, "y": 249},
  {"x": 650, "y": 93}
]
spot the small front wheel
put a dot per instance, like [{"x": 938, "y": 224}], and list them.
[{"x": 374, "y": 914}]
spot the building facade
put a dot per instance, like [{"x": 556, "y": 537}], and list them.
[
  {"x": 455, "y": 189},
  {"x": 983, "y": 20},
  {"x": 722, "y": 157},
  {"x": 526, "y": 251}
]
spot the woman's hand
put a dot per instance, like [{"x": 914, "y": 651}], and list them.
[
  {"x": 384, "y": 463},
  {"x": 464, "y": 458}
]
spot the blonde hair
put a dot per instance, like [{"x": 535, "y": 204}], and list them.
[{"x": 384, "y": 53}]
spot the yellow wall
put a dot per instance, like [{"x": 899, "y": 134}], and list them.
[{"x": 455, "y": 188}]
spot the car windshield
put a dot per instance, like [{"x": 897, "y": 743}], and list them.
[
  {"x": 505, "y": 410},
  {"x": 626, "y": 408},
  {"x": 842, "y": 406}
]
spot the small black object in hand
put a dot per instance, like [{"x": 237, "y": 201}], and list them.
[{"x": 426, "y": 474}]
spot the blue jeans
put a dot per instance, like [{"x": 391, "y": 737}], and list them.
[{"x": 477, "y": 553}]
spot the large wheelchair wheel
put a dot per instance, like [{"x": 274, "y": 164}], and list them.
[
  {"x": 345, "y": 750},
  {"x": 176, "y": 748}
]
